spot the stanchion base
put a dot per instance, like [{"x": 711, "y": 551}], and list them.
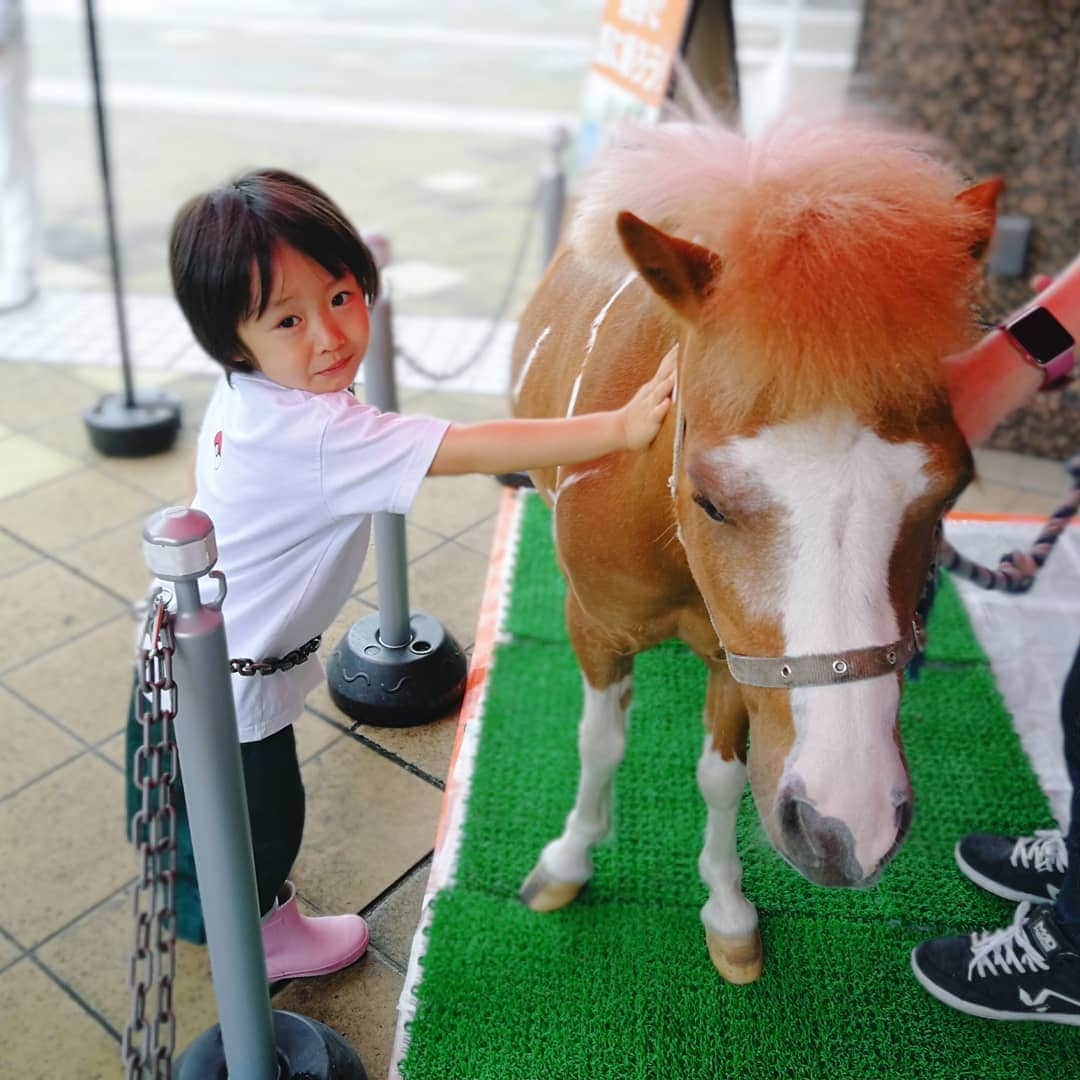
[
  {"x": 403, "y": 687},
  {"x": 306, "y": 1050},
  {"x": 149, "y": 427}
]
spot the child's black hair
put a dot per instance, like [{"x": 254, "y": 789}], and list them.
[{"x": 222, "y": 239}]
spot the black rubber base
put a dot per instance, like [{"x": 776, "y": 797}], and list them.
[
  {"x": 515, "y": 480},
  {"x": 149, "y": 427},
  {"x": 306, "y": 1049},
  {"x": 404, "y": 687}
]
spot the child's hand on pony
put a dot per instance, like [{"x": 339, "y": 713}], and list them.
[
  {"x": 504, "y": 446},
  {"x": 643, "y": 414}
]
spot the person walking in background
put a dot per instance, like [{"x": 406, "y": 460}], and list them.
[{"x": 17, "y": 213}]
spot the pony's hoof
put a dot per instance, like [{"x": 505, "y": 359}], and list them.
[
  {"x": 541, "y": 892},
  {"x": 738, "y": 959}
]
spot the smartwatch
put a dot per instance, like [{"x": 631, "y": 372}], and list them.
[{"x": 1044, "y": 343}]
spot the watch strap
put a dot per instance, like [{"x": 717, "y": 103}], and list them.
[{"x": 1059, "y": 369}]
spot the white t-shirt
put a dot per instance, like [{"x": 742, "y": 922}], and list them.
[{"x": 290, "y": 480}]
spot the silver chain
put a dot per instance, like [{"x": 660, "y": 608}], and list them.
[{"x": 150, "y": 1034}]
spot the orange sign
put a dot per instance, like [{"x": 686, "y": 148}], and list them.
[{"x": 638, "y": 39}]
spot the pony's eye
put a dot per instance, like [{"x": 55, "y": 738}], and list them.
[{"x": 708, "y": 507}]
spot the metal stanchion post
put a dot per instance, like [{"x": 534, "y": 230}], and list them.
[
  {"x": 250, "y": 1042},
  {"x": 396, "y": 668},
  {"x": 380, "y": 390},
  {"x": 131, "y": 424}
]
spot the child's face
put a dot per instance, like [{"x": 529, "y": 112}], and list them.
[{"x": 314, "y": 332}]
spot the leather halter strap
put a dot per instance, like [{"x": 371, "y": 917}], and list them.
[{"x": 790, "y": 672}]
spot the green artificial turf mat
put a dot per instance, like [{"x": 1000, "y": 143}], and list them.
[{"x": 619, "y": 984}]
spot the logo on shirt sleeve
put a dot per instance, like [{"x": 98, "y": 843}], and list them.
[{"x": 217, "y": 450}]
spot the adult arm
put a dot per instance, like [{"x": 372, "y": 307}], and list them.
[{"x": 989, "y": 381}]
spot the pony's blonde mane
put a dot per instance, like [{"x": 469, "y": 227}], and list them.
[{"x": 847, "y": 270}]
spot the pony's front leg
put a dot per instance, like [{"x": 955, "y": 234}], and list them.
[
  {"x": 731, "y": 922},
  {"x": 565, "y": 864}
]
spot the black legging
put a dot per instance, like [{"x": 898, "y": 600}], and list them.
[
  {"x": 275, "y": 799},
  {"x": 1068, "y": 900}
]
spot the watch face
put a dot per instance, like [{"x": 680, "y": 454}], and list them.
[{"x": 1041, "y": 335}]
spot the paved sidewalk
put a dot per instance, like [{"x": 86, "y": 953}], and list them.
[{"x": 70, "y": 565}]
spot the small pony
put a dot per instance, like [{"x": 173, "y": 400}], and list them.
[{"x": 783, "y": 522}]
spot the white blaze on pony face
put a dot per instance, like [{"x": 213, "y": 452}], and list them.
[{"x": 843, "y": 492}]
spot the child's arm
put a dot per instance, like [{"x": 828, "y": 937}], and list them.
[{"x": 505, "y": 446}]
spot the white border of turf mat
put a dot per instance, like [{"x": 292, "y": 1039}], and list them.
[
  {"x": 459, "y": 776},
  {"x": 1030, "y": 639},
  {"x": 1029, "y": 668}
]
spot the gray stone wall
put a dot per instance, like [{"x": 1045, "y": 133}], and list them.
[{"x": 999, "y": 80}]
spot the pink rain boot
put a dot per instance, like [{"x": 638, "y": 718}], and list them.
[{"x": 296, "y": 945}]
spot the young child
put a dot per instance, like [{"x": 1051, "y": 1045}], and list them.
[{"x": 276, "y": 283}]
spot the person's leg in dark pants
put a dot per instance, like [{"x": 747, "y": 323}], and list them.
[
  {"x": 294, "y": 944},
  {"x": 1029, "y": 970},
  {"x": 275, "y": 798},
  {"x": 1067, "y": 905}
]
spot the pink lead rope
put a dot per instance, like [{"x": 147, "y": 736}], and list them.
[{"x": 1016, "y": 571}]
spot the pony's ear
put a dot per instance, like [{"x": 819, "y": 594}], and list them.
[
  {"x": 982, "y": 198},
  {"x": 679, "y": 271}
]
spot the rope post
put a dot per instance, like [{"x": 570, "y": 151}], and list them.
[
  {"x": 130, "y": 424},
  {"x": 398, "y": 667},
  {"x": 250, "y": 1042},
  {"x": 552, "y": 195},
  {"x": 380, "y": 390}
]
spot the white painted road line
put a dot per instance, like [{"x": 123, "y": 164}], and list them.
[
  {"x": 427, "y": 33},
  {"x": 395, "y": 115}
]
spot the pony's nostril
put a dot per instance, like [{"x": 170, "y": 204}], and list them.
[
  {"x": 821, "y": 848},
  {"x": 904, "y": 813},
  {"x": 796, "y": 820}
]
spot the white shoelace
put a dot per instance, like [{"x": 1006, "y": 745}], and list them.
[
  {"x": 1002, "y": 952},
  {"x": 1045, "y": 851}
]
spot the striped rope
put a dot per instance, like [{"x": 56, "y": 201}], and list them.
[{"x": 1016, "y": 571}]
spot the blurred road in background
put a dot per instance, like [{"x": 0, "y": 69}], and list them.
[{"x": 427, "y": 121}]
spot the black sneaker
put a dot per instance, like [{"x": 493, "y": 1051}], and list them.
[
  {"x": 1028, "y": 971},
  {"x": 1015, "y": 867}
]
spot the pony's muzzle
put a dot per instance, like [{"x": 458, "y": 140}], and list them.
[{"x": 822, "y": 848}]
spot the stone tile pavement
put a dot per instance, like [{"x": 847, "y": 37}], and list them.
[{"x": 70, "y": 566}]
